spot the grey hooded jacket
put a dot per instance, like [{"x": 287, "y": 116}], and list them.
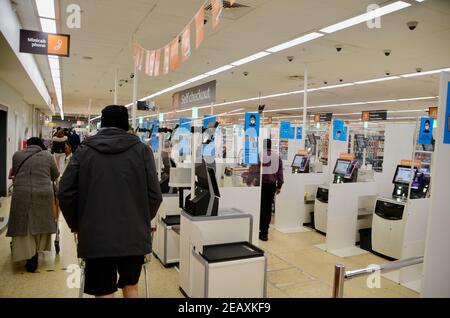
[{"x": 109, "y": 194}]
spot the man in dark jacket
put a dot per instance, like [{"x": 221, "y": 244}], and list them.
[
  {"x": 74, "y": 140},
  {"x": 109, "y": 194},
  {"x": 272, "y": 181}
]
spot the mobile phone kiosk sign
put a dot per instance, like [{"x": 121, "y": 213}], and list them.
[{"x": 42, "y": 43}]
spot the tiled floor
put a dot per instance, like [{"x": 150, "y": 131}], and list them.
[{"x": 296, "y": 269}]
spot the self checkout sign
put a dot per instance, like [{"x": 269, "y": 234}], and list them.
[
  {"x": 374, "y": 115},
  {"x": 44, "y": 43},
  {"x": 323, "y": 118}
]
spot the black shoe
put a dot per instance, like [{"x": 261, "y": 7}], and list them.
[
  {"x": 263, "y": 237},
  {"x": 32, "y": 264}
]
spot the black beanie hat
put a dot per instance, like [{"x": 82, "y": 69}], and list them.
[{"x": 115, "y": 116}]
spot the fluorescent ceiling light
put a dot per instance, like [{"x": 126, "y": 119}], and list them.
[
  {"x": 250, "y": 58},
  {"x": 336, "y": 86},
  {"x": 382, "y": 101},
  {"x": 297, "y": 41},
  {"x": 398, "y": 5},
  {"x": 55, "y": 73},
  {"x": 378, "y": 80},
  {"x": 426, "y": 73},
  {"x": 48, "y": 26},
  {"x": 197, "y": 78},
  {"x": 416, "y": 98},
  {"x": 219, "y": 70},
  {"x": 54, "y": 63},
  {"x": 46, "y": 8}
]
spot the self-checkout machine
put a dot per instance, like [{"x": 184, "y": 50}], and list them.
[
  {"x": 216, "y": 250},
  {"x": 293, "y": 205},
  {"x": 349, "y": 200},
  {"x": 400, "y": 220}
]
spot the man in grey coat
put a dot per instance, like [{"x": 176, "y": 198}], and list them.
[{"x": 109, "y": 194}]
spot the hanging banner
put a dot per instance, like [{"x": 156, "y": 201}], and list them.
[
  {"x": 251, "y": 138},
  {"x": 426, "y": 131},
  {"x": 204, "y": 94},
  {"x": 299, "y": 134},
  {"x": 199, "y": 27},
  {"x": 157, "y": 62},
  {"x": 186, "y": 44},
  {"x": 150, "y": 64},
  {"x": 42, "y": 43},
  {"x": 174, "y": 54},
  {"x": 141, "y": 58},
  {"x": 217, "y": 10},
  {"x": 285, "y": 129},
  {"x": 166, "y": 64}
]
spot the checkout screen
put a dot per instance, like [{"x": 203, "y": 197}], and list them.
[
  {"x": 403, "y": 175},
  {"x": 299, "y": 162},
  {"x": 341, "y": 167}
]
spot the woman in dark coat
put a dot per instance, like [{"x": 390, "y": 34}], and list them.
[{"x": 31, "y": 220}]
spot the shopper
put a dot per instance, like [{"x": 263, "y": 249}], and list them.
[
  {"x": 272, "y": 181},
  {"x": 109, "y": 194},
  {"x": 32, "y": 220},
  {"x": 74, "y": 140},
  {"x": 59, "y": 149}
]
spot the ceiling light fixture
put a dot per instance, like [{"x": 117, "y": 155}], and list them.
[
  {"x": 48, "y": 25},
  {"x": 376, "y": 80},
  {"x": 303, "y": 39},
  {"x": 250, "y": 58},
  {"x": 398, "y": 5},
  {"x": 46, "y": 8},
  {"x": 426, "y": 73}
]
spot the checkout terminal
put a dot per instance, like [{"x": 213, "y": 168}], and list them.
[
  {"x": 393, "y": 215},
  {"x": 300, "y": 164},
  {"x": 216, "y": 253},
  {"x": 345, "y": 171}
]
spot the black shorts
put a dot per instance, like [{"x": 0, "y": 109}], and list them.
[{"x": 101, "y": 274}]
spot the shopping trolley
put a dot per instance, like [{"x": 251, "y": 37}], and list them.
[{"x": 147, "y": 258}]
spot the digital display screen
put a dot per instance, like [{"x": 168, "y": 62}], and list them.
[
  {"x": 341, "y": 167},
  {"x": 403, "y": 175},
  {"x": 299, "y": 162}
]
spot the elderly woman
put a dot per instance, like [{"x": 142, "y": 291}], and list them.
[{"x": 31, "y": 221}]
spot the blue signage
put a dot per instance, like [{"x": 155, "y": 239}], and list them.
[
  {"x": 299, "y": 134},
  {"x": 185, "y": 123},
  {"x": 252, "y": 124},
  {"x": 447, "y": 118},
  {"x": 209, "y": 121},
  {"x": 285, "y": 130},
  {"x": 339, "y": 130},
  {"x": 426, "y": 131},
  {"x": 251, "y": 138}
]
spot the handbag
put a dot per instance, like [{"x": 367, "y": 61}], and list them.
[
  {"x": 67, "y": 149},
  {"x": 55, "y": 203}
]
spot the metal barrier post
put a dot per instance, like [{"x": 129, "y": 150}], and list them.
[{"x": 338, "y": 284}]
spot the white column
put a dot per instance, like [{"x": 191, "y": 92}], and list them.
[
  {"x": 436, "y": 275},
  {"x": 135, "y": 97},
  {"x": 89, "y": 115},
  {"x": 305, "y": 104}
]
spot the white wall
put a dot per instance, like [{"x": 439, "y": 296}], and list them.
[{"x": 20, "y": 117}]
